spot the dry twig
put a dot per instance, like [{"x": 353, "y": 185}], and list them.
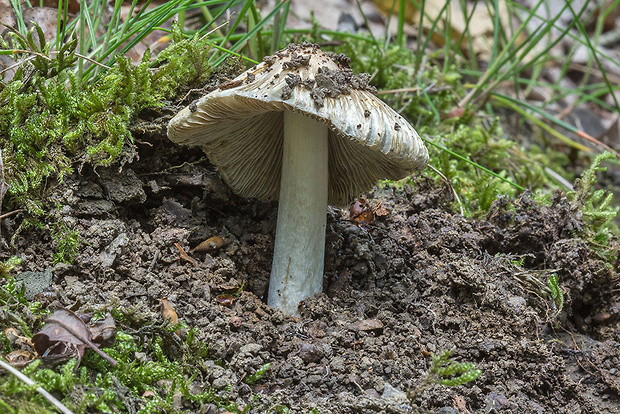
[{"x": 63, "y": 409}]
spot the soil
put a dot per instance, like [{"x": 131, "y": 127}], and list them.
[{"x": 420, "y": 279}]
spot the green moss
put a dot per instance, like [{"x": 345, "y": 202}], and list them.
[
  {"x": 595, "y": 204},
  {"x": 8, "y": 265},
  {"x": 556, "y": 293},
  {"x": 443, "y": 370},
  {"x": 68, "y": 242},
  {"x": 49, "y": 120},
  {"x": 597, "y": 209},
  {"x": 183, "y": 64},
  {"x": 143, "y": 363}
]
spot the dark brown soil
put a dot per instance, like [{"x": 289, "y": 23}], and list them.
[{"x": 421, "y": 279}]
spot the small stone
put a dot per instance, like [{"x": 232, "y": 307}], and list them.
[
  {"x": 35, "y": 282},
  {"x": 250, "y": 349},
  {"x": 369, "y": 325},
  {"x": 391, "y": 393},
  {"x": 371, "y": 392},
  {"x": 310, "y": 352},
  {"x": 113, "y": 250}
]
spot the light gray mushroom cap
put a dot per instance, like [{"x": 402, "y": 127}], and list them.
[{"x": 240, "y": 125}]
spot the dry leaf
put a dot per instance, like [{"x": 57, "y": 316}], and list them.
[
  {"x": 104, "y": 331},
  {"x": 380, "y": 211},
  {"x": 66, "y": 334},
  {"x": 225, "y": 299},
  {"x": 16, "y": 340},
  {"x": 211, "y": 244},
  {"x": 361, "y": 212},
  {"x": 62, "y": 326},
  {"x": 19, "y": 357},
  {"x": 369, "y": 325},
  {"x": 168, "y": 312}
]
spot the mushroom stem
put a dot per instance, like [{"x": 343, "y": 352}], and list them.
[{"x": 297, "y": 271}]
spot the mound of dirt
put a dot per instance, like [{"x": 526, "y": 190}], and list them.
[{"x": 419, "y": 280}]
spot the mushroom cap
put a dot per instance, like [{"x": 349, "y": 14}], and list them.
[{"x": 240, "y": 125}]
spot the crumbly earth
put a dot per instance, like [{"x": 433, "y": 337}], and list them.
[{"x": 421, "y": 279}]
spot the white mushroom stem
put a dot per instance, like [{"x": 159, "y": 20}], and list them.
[{"x": 297, "y": 271}]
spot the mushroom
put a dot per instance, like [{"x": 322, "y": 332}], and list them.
[{"x": 302, "y": 128}]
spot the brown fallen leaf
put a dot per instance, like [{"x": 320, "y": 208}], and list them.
[
  {"x": 380, "y": 211},
  {"x": 168, "y": 312},
  {"x": 361, "y": 212},
  {"x": 19, "y": 357},
  {"x": 211, "y": 244},
  {"x": 65, "y": 333},
  {"x": 369, "y": 325},
  {"x": 184, "y": 256},
  {"x": 454, "y": 113},
  {"x": 104, "y": 331},
  {"x": 10, "y": 333},
  {"x": 16, "y": 340}
]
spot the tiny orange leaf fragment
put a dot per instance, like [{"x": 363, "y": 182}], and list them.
[
  {"x": 225, "y": 299},
  {"x": 455, "y": 113},
  {"x": 361, "y": 212},
  {"x": 168, "y": 312},
  {"x": 184, "y": 256}
]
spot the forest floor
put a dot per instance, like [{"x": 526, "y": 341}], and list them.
[
  {"x": 420, "y": 279},
  {"x": 414, "y": 280}
]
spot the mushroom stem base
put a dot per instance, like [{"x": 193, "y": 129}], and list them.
[{"x": 297, "y": 271}]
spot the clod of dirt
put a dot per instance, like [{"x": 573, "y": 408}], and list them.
[{"x": 123, "y": 188}]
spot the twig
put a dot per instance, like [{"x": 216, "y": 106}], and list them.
[
  {"x": 10, "y": 213},
  {"x": 214, "y": 30},
  {"x": 93, "y": 61},
  {"x": 557, "y": 177},
  {"x": 21, "y": 62},
  {"x": 49, "y": 397}
]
